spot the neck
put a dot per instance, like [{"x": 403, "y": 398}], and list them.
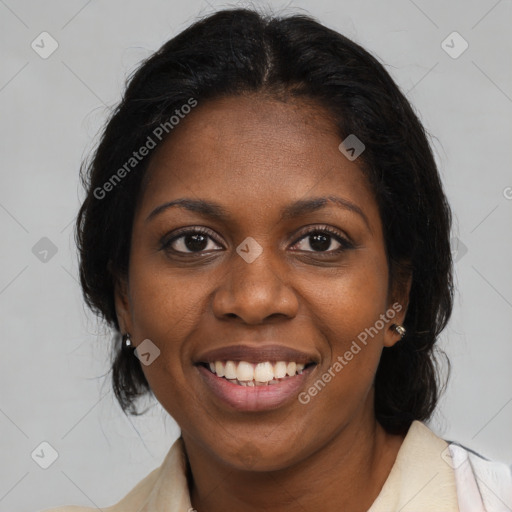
[{"x": 347, "y": 473}]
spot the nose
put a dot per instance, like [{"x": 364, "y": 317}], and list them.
[{"x": 255, "y": 292}]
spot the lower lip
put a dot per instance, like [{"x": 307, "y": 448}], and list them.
[{"x": 254, "y": 398}]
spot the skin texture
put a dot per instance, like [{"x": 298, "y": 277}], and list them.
[{"x": 255, "y": 155}]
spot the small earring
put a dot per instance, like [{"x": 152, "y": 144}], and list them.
[
  {"x": 400, "y": 329},
  {"x": 127, "y": 341}
]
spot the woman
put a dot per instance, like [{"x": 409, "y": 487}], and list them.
[{"x": 266, "y": 231}]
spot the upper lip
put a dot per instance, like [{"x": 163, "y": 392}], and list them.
[{"x": 255, "y": 354}]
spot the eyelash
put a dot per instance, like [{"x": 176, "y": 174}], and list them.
[{"x": 345, "y": 244}]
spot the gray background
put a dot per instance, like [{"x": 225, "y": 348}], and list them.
[{"x": 55, "y": 354}]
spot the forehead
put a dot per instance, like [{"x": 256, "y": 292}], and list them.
[{"x": 253, "y": 150}]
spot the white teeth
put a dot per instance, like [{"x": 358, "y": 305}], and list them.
[
  {"x": 245, "y": 371},
  {"x": 280, "y": 370},
  {"x": 264, "y": 372},
  {"x": 291, "y": 369},
  {"x": 261, "y": 374},
  {"x": 230, "y": 370},
  {"x": 219, "y": 368}
]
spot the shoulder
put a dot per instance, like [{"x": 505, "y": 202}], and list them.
[
  {"x": 492, "y": 478},
  {"x": 480, "y": 482}
]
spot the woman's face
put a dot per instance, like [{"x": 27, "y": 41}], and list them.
[{"x": 254, "y": 290}]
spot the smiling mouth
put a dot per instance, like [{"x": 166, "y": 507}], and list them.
[{"x": 266, "y": 373}]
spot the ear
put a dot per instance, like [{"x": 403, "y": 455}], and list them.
[
  {"x": 122, "y": 304},
  {"x": 398, "y": 303}
]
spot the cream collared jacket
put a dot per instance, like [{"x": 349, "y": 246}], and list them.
[{"x": 429, "y": 475}]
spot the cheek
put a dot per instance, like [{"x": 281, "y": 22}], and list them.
[
  {"x": 166, "y": 317},
  {"x": 352, "y": 299},
  {"x": 165, "y": 309},
  {"x": 165, "y": 304},
  {"x": 349, "y": 313}
]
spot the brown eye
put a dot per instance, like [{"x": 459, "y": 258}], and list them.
[
  {"x": 190, "y": 241},
  {"x": 322, "y": 239}
]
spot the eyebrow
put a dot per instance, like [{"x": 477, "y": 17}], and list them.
[{"x": 296, "y": 209}]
